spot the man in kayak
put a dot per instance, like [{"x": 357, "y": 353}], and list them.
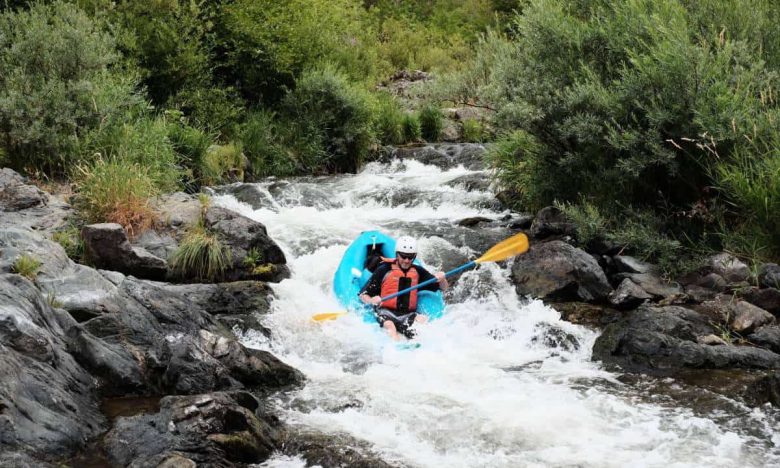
[{"x": 398, "y": 314}]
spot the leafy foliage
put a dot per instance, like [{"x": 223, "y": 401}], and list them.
[{"x": 431, "y": 122}]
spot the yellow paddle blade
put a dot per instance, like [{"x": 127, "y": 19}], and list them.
[
  {"x": 328, "y": 316},
  {"x": 515, "y": 245}
]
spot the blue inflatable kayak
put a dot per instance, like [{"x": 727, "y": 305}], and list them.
[{"x": 353, "y": 273}]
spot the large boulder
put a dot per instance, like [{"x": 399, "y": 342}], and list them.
[
  {"x": 216, "y": 429},
  {"x": 729, "y": 267},
  {"x": 48, "y": 404},
  {"x": 557, "y": 271},
  {"x": 769, "y": 275},
  {"x": 22, "y": 204},
  {"x": 748, "y": 317},
  {"x": 657, "y": 338},
  {"x": 106, "y": 246},
  {"x": 766, "y": 298}
]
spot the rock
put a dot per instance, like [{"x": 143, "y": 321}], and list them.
[
  {"x": 247, "y": 193},
  {"x": 106, "y": 246},
  {"x": 242, "y": 235},
  {"x": 450, "y": 133},
  {"x": 523, "y": 221},
  {"x": 767, "y": 337},
  {"x": 235, "y": 298},
  {"x": 764, "y": 390},
  {"x": 769, "y": 276},
  {"x": 445, "y": 155},
  {"x": 699, "y": 294},
  {"x": 24, "y": 205},
  {"x": 655, "y": 338},
  {"x": 320, "y": 449},
  {"x": 711, "y": 340},
  {"x": 712, "y": 281},
  {"x": 550, "y": 221},
  {"x": 748, "y": 317},
  {"x": 473, "y": 221},
  {"x": 582, "y": 313},
  {"x": 16, "y": 194},
  {"x": 626, "y": 264},
  {"x": 159, "y": 244},
  {"x": 47, "y": 401},
  {"x": 729, "y": 267},
  {"x": 215, "y": 429},
  {"x": 653, "y": 285},
  {"x": 557, "y": 271},
  {"x": 767, "y": 299},
  {"x": 116, "y": 368},
  {"x": 471, "y": 182},
  {"x": 628, "y": 295},
  {"x": 177, "y": 210}
]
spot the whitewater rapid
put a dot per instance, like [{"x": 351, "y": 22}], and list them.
[{"x": 500, "y": 381}]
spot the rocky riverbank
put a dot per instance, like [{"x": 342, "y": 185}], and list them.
[{"x": 127, "y": 362}]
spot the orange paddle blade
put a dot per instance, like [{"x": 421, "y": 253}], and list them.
[
  {"x": 327, "y": 316},
  {"x": 508, "y": 248}
]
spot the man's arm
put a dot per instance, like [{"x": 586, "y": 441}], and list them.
[
  {"x": 425, "y": 275},
  {"x": 370, "y": 293}
]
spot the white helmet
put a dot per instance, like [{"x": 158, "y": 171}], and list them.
[{"x": 406, "y": 244}]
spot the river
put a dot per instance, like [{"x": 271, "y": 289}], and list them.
[{"x": 500, "y": 381}]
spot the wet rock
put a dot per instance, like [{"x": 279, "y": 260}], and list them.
[
  {"x": 555, "y": 337},
  {"x": 23, "y": 205},
  {"x": 557, "y": 271},
  {"x": 116, "y": 368},
  {"x": 551, "y": 221},
  {"x": 242, "y": 235},
  {"x": 712, "y": 281},
  {"x": 473, "y": 221},
  {"x": 471, "y": 182},
  {"x": 216, "y": 429},
  {"x": 47, "y": 401},
  {"x": 320, "y": 449},
  {"x": 652, "y": 338},
  {"x": 748, "y": 317},
  {"x": 767, "y": 337},
  {"x": 444, "y": 156},
  {"x": 765, "y": 389},
  {"x": 769, "y": 275},
  {"x": 626, "y": 264},
  {"x": 247, "y": 193},
  {"x": 582, "y": 313},
  {"x": 523, "y": 221},
  {"x": 628, "y": 295},
  {"x": 106, "y": 246},
  {"x": 767, "y": 299},
  {"x": 729, "y": 267}
]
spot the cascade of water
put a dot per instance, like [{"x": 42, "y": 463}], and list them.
[{"x": 500, "y": 381}]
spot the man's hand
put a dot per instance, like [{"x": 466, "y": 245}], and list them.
[
  {"x": 443, "y": 284},
  {"x": 374, "y": 301}
]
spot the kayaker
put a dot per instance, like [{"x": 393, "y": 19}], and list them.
[{"x": 397, "y": 315}]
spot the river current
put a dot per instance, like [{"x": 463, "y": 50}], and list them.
[{"x": 500, "y": 381}]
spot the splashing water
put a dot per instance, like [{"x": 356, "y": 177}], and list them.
[{"x": 500, "y": 381}]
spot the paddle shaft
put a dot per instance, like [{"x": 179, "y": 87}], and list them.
[{"x": 430, "y": 281}]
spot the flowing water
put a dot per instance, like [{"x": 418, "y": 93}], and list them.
[{"x": 500, "y": 381}]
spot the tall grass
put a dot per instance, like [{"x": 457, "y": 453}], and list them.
[
  {"x": 222, "y": 163},
  {"x": 411, "y": 128},
  {"x": 431, "y": 122},
  {"x": 201, "y": 255},
  {"x": 116, "y": 191}
]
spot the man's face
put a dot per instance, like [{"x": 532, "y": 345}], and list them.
[{"x": 405, "y": 259}]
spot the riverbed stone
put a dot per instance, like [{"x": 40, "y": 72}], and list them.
[
  {"x": 558, "y": 271},
  {"x": 106, "y": 246},
  {"x": 748, "y": 317},
  {"x": 628, "y": 264},
  {"x": 628, "y": 295},
  {"x": 769, "y": 275},
  {"x": 729, "y": 267},
  {"x": 766, "y": 298},
  {"x": 767, "y": 337},
  {"x": 549, "y": 222}
]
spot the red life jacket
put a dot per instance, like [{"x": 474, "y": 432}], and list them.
[{"x": 391, "y": 284}]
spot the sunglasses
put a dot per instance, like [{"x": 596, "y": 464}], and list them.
[{"x": 406, "y": 256}]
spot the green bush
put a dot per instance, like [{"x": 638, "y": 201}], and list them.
[
  {"x": 389, "y": 120},
  {"x": 216, "y": 110},
  {"x": 411, "y": 128},
  {"x": 113, "y": 190},
  {"x": 325, "y": 105},
  {"x": 27, "y": 266},
  {"x": 191, "y": 145},
  {"x": 473, "y": 131},
  {"x": 222, "y": 163},
  {"x": 58, "y": 81},
  {"x": 272, "y": 147},
  {"x": 201, "y": 255},
  {"x": 431, "y": 122},
  {"x": 589, "y": 222}
]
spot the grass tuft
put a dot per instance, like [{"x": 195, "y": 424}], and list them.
[
  {"x": 27, "y": 266},
  {"x": 201, "y": 255}
]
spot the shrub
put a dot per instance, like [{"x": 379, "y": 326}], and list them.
[
  {"x": 116, "y": 191},
  {"x": 473, "y": 131},
  {"x": 191, "y": 145},
  {"x": 589, "y": 222},
  {"x": 325, "y": 105},
  {"x": 431, "y": 122},
  {"x": 389, "y": 120},
  {"x": 278, "y": 148},
  {"x": 411, "y": 128},
  {"x": 216, "y": 110},
  {"x": 27, "y": 266},
  {"x": 58, "y": 81},
  {"x": 222, "y": 163},
  {"x": 201, "y": 255}
]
